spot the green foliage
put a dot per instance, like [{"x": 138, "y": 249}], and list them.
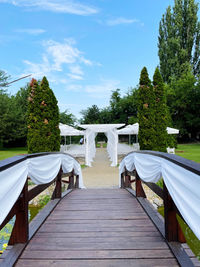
[
  {"x": 146, "y": 116},
  {"x": 179, "y": 39},
  {"x": 184, "y": 102},
  {"x": 42, "y": 119},
  {"x": 67, "y": 118},
  {"x": 3, "y": 80},
  {"x": 121, "y": 109},
  {"x": 43, "y": 200},
  {"x": 91, "y": 115},
  {"x": 13, "y": 128},
  {"x": 160, "y": 112}
]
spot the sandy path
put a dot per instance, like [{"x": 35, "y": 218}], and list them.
[{"x": 101, "y": 174}]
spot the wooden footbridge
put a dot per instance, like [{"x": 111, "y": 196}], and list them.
[{"x": 96, "y": 227}]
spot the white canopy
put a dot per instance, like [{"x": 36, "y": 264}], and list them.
[
  {"x": 129, "y": 129},
  {"x": 66, "y": 130},
  {"x": 101, "y": 128},
  {"x": 134, "y": 129},
  {"x": 172, "y": 131}
]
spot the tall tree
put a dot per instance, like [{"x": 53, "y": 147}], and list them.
[
  {"x": 3, "y": 79},
  {"x": 67, "y": 118},
  {"x": 160, "y": 111},
  {"x": 43, "y": 118},
  {"x": 184, "y": 101},
  {"x": 146, "y": 118},
  {"x": 91, "y": 115},
  {"x": 179, "y": 39}
]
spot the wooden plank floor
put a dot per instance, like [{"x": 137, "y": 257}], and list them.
[{"x": 97, "y": 227}]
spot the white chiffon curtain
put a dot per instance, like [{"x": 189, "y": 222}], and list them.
[
  {"x": 182, "y": 184},
  {"x": 90, "y": 146},
  {"x": 41, "y": 170},
  {"x": 112, "y": 142}
]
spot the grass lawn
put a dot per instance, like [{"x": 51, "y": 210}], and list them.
[
  {"x": 11, "y": 152},
  {"x": 189, "y": 151}
]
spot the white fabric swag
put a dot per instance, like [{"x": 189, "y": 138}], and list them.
[
  {"x": 41, "y": 170},
  {"x": 183, "y": 185}
]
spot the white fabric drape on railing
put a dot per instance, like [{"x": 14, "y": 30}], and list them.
[
  {"x": 41, "y": 170},
  {"x": 183, "y": 185}
]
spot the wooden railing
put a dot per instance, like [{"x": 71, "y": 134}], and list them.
[
  {"x": 20, "y": 232},
  {"x": 173, "y": 230}
]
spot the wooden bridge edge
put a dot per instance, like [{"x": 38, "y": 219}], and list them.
[
  {"x": 10, "y": 257},
  {"x": 177, "y": 248}
]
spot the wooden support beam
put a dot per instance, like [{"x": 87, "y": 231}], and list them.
[
  {"x": 127, "y": 179},
  {"x": 139, "y": 188},
  {"x": 20, "y": 230},
  {"x": 58, "y": 187},
  {"x": 77, "y": 181},
  {"x": 173, "y": 230},
  {"x": 122, "y": 180},
  {"x": 71, "y": 180}
]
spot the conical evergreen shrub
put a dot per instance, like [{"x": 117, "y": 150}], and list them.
[
  {"x": 42, "y": 118},
  {"x": 146, "y": 114},
  {"x": 160, "y": 111}
]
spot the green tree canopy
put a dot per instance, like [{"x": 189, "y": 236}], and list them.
[
  {"x": 179, "y": 39},
  {"x": 184, "y": 101},
  {"x": 3, "y": 79},
  {"x": 91, "y": 115},
  {"x": 67, "y": 118}
]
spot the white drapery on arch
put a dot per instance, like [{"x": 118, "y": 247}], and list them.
[{"x": 91, "y": 132}]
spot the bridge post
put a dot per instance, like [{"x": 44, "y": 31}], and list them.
[
  {"x": 77, "y": 181},
  {"x": 122, "y": 180},
  {"x": 173, "y": 230},
  {"x": 127, "y": 180},
  {"x": 20, "y": 232},
  {"x": 71, "y": 180},
  {"x": 138, "y": 184},
  {"x": 58, "y": 188}
]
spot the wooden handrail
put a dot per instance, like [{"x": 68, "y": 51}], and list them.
[
  {"x": 173, "y": 231},
  {"x": 20, "y": 232}
]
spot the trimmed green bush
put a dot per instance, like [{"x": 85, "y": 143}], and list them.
[
  {"x": 146, "y": 116},
  {"x": 160, "y": 112},
  {"x": 42, "y": 118}
]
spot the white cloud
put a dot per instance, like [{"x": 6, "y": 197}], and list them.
[
  {"x": 121, "y": 20},
  {"x": 76, "y": 69},
  {"x": 103, "y": 89},
  {"x": 62, "y": 53},
  {"x": 30, "y": 31},
  {"x": 74, "y": 87},
  {"x": 75, "y": 77},
  {"x": 57, "y": 57},
  {"x": 59, "y": 6}
]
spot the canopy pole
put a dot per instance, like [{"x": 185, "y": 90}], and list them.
[{"x": 65, "y": 141}]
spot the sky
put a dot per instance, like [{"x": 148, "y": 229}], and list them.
[{"x": 85, "y": 48}]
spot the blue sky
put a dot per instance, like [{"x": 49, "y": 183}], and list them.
[{"x": 85, "y": 48}]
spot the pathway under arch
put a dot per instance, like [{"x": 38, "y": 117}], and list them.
[{"x": 101, "y": 175}]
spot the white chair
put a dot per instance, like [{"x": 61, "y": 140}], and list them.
[
  {"x": 171, "y": 150},
  {"x": 136, "y": 146}
]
